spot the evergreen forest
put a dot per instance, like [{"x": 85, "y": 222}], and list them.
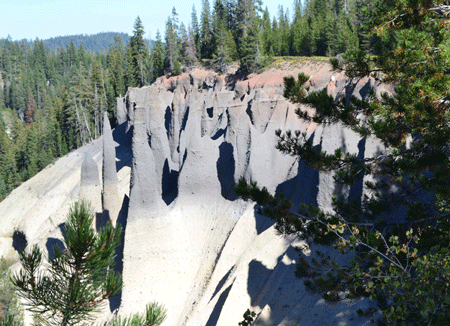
[
  {"x": 98, "y": 42},
  {"x": 53, "y": 94}
]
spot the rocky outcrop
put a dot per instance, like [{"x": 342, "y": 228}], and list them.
[
  {"x": 110, "y": 196},
  {"x": 145, "y": 183},
  {"x": 206, "y": 254},
  {"x": 121, "y": 112},
  {"x": 90, "y": 188},
  {"x": 190, "y": 243}
]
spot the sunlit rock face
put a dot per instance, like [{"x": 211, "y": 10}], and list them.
[
  {"x": 197, "y": 248},
  {"x": 180, "y": 147}
]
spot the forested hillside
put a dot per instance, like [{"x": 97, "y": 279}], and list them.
[
  {"x": 52, "y": 99},
  {"x": 96, "y": 42}
]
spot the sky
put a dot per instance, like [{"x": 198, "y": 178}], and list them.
[{"x": 31, "y": 19}]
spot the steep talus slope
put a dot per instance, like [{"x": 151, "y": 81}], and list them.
[{"x": 190, "y": 243}]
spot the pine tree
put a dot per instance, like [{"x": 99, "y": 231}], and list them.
[
  {"x": 249, "y": 55},
  {"x": 345, "y": 36},
  {"x": 157, "y": 56},
  {"x": 136, "y": 54},
  {"x": 9, "y": 175},
  {"x": 173, "y": 43},
  {"x": 81, "y": 99},
  {"x": 267, "y": 34},
  {"x": 183, "y": 40},
  {"x": 83, "y": 57},
  {"x": 80, "y": 276},
  {"x": 248, "y": 37},
  {"x": 283, "y": 31},
  {"x": 73, "y": 58},
  {"x": 220, "y": 37},
  {"x": 115, "y": 69},
  {"x": 206, "y": 31},
  {"x": 402, "y": 264},
  {"x": 191, "y": 54},
  {"x": 99, "y": 102},
  {"x": 10, "y": 309},
  {"x": 31, "y": 108},
  {"x": 195, "y": 28}
]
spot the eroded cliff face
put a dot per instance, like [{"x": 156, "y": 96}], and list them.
[
  {"x": 200, "y": 250},
  {"x": 181, "y": 146}
]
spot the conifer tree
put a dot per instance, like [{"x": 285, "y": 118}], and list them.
[
  {"x": 248, "y": 36},
  {"x": 80, "y": 276},
  {"x": 399, "y": 231},
  {"x": 221, "y": 54},
  {"x": 136, "y": 55},
  {"x": 11, "y": 313},
  {"x": 195, "y": 27},
  {"x": 205, "y": 31},
  {"x": 73, "y": 55},
  {"x": 267, "y": 34},
  {"x": 249, "y": 54},
  {"x": 157, "y": 57},
  {"x": 191, "y": 54},
  {"x": 115, "y": 69},
  {"x": 82, "y": 57},
  {"x": 9, "y": 175},
  {"x": 173, "y": 43},
  {"x": 31, "y": 108}
]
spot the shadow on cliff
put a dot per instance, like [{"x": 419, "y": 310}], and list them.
[
  {"x": 262, "y": 222},
  {"x": 52, "y": 244},
  {"x": 261, "y": 283},
  {"x": 303, "y": 188},
  {"x": 356, "y": 191},
  {"x": 354, "y": 87},
  {"x": 169, "y": 183},
  {"x": 215, "y": 314},
  {"x": 124, "y": 153},
  {"x": 114, "y": 302},
  {"x": 225, "y": 171},
  {"x": 232, "y": 79},
  {"x": 101, "y": 219},
  {"x": 259, "y": 286},
  {"x": 19, "y": 241}
]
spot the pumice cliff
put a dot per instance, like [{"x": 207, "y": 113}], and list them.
[{"x": 180, "y": 147}]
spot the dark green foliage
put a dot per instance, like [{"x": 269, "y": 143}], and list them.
[
  {"x": 116, "y": 73},
  {"x": 195, "y": 27},
  {"x": 157, "y": 57},
  {"x": 97, "y": 42},
  {"x": 176, "y": 68},
  {"x": 173, "y": 44},
  {"x": 8, "y": 320},
  {"x": 248, "y": 51},
  {"x": 136, "y": 55},
  {"x": 402, "y": 264},
  {"x": 80, "y": 276},
  {"x": 10, "y": 310},
  {"x": 154, "y": 315},
  {"x": 60, "y": 94},
  {"x": 206, "y": 44},
  {"x": 249, "y": 318}
]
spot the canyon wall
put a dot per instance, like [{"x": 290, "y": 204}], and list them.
[{"x": 181, "y": 146}]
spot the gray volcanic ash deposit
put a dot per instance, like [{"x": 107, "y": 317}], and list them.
[{"x": 190, "y": 243}]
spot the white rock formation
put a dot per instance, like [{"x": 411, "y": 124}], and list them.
[
  {"x": 110, "y": 196},
  {"x": 90, "y": 187},
  {"x": 190, "y": 244}
]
